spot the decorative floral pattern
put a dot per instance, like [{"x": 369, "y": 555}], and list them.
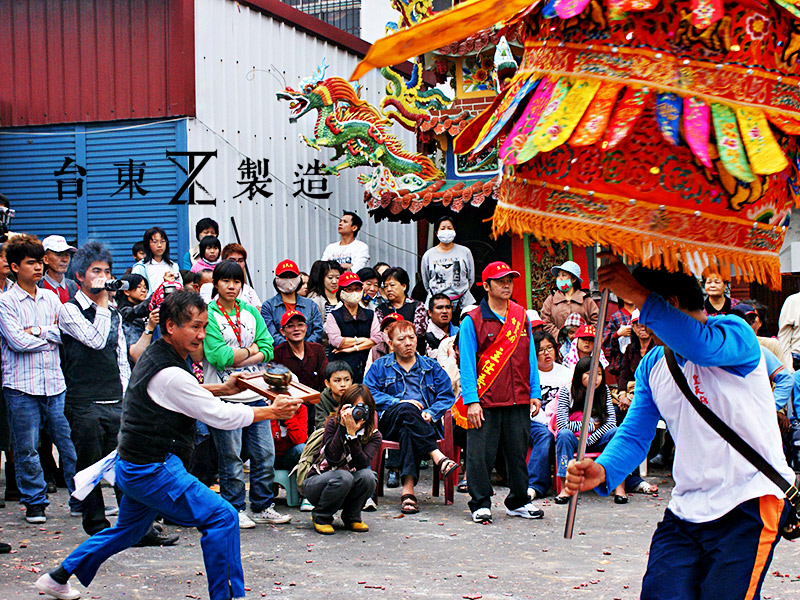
[
  {"x": 478, "y": 74},
  {"x": 757, "y": 26}
]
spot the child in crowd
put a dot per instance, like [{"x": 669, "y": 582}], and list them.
[
  {"x": 602, "y": 426},
  {"x": 210, "y": 249},
  {"x": 338, "y": 377},
  {"x": 582, "y": 346},
  {"x": 567, "y": 334},
  {"x": 170, "y": 283}
]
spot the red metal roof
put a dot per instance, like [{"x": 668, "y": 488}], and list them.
[{"x": 94, "y": 60}]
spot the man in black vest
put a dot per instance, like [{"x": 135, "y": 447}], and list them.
[
  {"x": 156, "y": 437},
  {"x": 96, "y": 371}
]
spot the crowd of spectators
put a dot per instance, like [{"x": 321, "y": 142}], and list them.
[{"x": 388, "y": 368}]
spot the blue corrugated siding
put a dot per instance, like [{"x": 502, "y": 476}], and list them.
[{"x": 27, "y": 163}]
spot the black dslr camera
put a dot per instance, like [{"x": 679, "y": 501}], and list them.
[{"x": 360, "y": 412}]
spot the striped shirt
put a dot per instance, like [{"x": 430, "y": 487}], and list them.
[{"x": 31, "y": 364}]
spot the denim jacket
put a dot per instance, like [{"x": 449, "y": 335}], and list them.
[
  {"x": 386, "y": 380},
  {"x": 272, "y": 310}
]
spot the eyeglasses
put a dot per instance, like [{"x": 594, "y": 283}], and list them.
[
  {"x": 158, "y": 242},
  {"x": 543, "y": 349}
]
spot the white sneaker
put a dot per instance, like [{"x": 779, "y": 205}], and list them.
[
  {"x": 645, "y": 488},
  {"x": 111, "y": 511},
  {"x": 482, "y": 515},
  {"x": 270, "y": 515},
  {"x": 532, "y": 493},
  {"x": 370, "y": 506},
  {"x": 62, "y": 591},
  {"x": 245, "y": 522},
  {"x": 306, "y": 506},
  {"x": 529, "y": 511}
]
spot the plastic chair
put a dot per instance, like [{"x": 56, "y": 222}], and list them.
[
  {"x": 445, "y": 445},
  {"x": 288, "y": 482}
]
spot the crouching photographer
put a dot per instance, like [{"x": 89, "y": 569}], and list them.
[{"x": 340, "y": 477}]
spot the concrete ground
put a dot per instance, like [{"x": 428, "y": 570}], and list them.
[{"x": 437, "y": 554}]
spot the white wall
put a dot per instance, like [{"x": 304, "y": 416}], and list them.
[
  {"x": 374, "y": 16},
  {"x": 239, "y": 115}
]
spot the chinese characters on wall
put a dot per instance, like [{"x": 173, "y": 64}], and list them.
[{"x": 252, "y": 178}]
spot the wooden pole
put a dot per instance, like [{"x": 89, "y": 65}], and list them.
[{"x": 587, "y": 407}]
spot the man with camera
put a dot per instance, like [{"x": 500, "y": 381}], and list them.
[
  {"x": 412, "y": 393},
  {"x": 96, "y": 371}
]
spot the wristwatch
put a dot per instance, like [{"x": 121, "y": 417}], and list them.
[{"x": 36, "y": 330}]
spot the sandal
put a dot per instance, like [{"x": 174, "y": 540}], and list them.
[
  {"x": 409, "y": 504},
  {"x": 462, "y": 486},
  {"x": 620, "y": 499},
  {"x": 446, "y": 466}
]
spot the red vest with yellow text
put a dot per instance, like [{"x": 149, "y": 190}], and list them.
[{"x": 512, "y": 385}]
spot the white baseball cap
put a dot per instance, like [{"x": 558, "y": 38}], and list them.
[{"x": 57, "y": 243}]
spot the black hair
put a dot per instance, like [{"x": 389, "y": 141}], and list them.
[
  {"x": 90, "y": 252},
  {"x": 187, "y": 277},
  {"x": 441, "y": 220},
  {"x": 399, "y": 275},
  {"x": 177, "y": 307},
  {"x": 578, "y": 391},
  {"x": 378, "y": 265},
  {"x": 335, "y": 366},
  {"x": 148, "y": 235},
  {"x": 4, "y": 201},
  {"x": 667, "y": 285},
  {"x": 540, "y": 336},
  {"x": 206, "y": 223},
  {"x": 368, "y": 273},
  {"x": 227, "y": 269},
  {"x": 436, "y": 297},
  {"x": 209, "y": 242},
  {"x": 134, "y": 280},
  {"x": 137, "y": 247},
  {"x": 23, "y": 246},
  {"x": 356, "y": 221},
  {"x": 319, "y": 270}
]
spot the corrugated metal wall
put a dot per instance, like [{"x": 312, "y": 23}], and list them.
[
  {"x": 95, "y": 60},
  {"x": 239, "y": 116},
  {"x": 117, "y": 217}
]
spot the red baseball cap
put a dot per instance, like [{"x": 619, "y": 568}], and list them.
[
  {"x": 586, "y": 331},
  {"x": 289, "y": 315},
  {"x": 536, "y": 323},
  {"x": 497, "y": 270},
  {"x": 287, "y": 266},
  {"x": 348, "y": 278},
  {"x": 389, "y": 319}
]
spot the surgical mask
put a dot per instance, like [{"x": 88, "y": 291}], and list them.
[
  {"x": 446, "y": 236},
  {"x": 287, "y": 286},
  {"x": 351, "y": 297},
  {"x": 563, "y": 284}
]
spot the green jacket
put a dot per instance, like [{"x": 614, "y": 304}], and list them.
[
  {"x": 220, "y": 340},
  {"x": 327, "y": 405}
]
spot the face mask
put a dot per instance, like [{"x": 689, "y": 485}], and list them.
[
  {"x": 350, "y": 297},
  {"x": 563, "y": 284},
  {"x": 446, "y": 235},
  {"x": 287, "y": 286}
]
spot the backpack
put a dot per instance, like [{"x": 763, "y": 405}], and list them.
[{"x": 307, "y": 458}]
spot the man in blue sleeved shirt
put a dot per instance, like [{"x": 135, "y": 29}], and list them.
[
  {"x": 502, "y": 398},
  {"x": 723, "y": 521},
  {"x": 412, "y": 393}
]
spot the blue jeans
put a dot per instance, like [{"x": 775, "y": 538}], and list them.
[
  {"x": 26, "y": 414},
  {"x": 167, "y": 489},
  {"x": 541, "y": 441},
  {"x": 290, "y": 458},
  {"x": 234, "y": 447},
  {"x": 567, "y": 446}
]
